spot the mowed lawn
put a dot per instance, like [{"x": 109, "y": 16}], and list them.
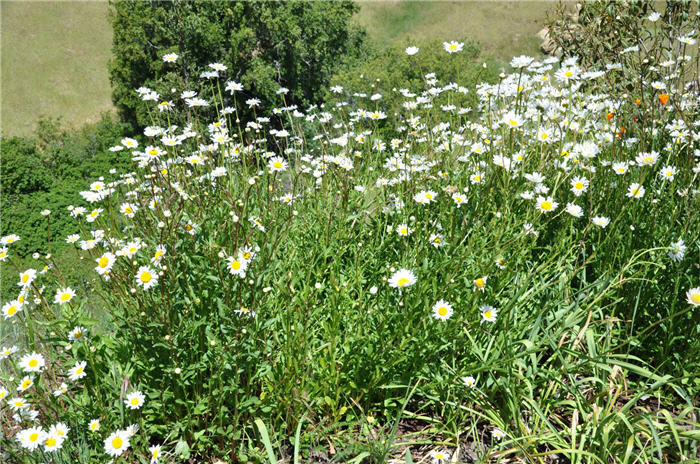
[
  {"x": 503, "y": 28},
  {"x": 54, "y": 63}
]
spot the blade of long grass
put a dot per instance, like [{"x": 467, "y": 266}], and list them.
[{"x": 266, "y": 441}]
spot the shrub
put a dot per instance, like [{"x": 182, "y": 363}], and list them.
[
  {"x": 389, "y": 70},
  {"x": 266, "y": 45}
]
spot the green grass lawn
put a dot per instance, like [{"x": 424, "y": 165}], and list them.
[
  {"x": 503, "y": 28},
  {"x": 54, "y": 63}
]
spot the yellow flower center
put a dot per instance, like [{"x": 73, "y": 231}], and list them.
[
  {"x": 65, "y": 297},
  {"x": 116, "y": 443},
  {"x": 77, "y": 334},
  {"x": 513, "y": 122},
  {"x": 404, "y": 231},
  {"x": 487, "y": 314},
  {"x": 155, "y": 454},
  {"x": 34, "y": 437},
  {"x": 135, "y": 401},
  {"x": 695, "y": 298},
  {"x": 235, "y": 265},
  {"x": 442, "y": 311},
  {"x": 546, "y": 205},
  {"x": 277, "y": 164},
  {"x": 103, "y": 262},
  {"x": 25, "y": 278},
  {"x": 33, "y": 363},
  {"x": 579, "y": 185},
  {"x": 477, "y": 178},
  {"x": 544, "y": 136},
  {"x": 26, "y": 384},
  {"x": 188, "y": 227},
  {"x": 648, "y": 160},
  {"x": 94, "y": 213},
  {"x": 79, "y": 371},
  {"x": 635, "y": 191},
  {"x": 429, "y": 196},
  {"x": 479, "y": 283},
  {"x": 403, "y": 281},
  {"x": 453, "y": 47},
  {"x": 12, "y": 310},
  {"x": 50, "y": 441},
  {"x": 146, "y": 277},
  {"x": 159, "y": 254},
  {"x": 153, "y": 152}
]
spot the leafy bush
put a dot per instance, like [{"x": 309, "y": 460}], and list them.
[
  {"x": 266, "y": 45},
  {"x": 387, "y": 71},
  {"x": 652, "y": 46}
]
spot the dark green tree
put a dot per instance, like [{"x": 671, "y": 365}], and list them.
[{"x": 265, "y": 45}]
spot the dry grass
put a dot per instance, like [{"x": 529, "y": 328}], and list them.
[
  {"x": 503, "y": 28},
  {"x": 54, "y": 63}
]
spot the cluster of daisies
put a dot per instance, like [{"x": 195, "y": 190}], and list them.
[{"x": 536, "y": 134}]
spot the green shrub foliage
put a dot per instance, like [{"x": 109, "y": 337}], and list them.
[{"x": 265, "y": 45}]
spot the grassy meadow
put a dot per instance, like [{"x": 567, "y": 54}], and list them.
[
  {"x": 503, "y": 29},
  {"x": 54, "y": 63}
]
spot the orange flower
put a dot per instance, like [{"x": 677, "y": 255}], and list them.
[
  {"x": 663, "y": 98},
  {"x": 610, "y": 116},
  {"x": 638, "y": 102}
]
